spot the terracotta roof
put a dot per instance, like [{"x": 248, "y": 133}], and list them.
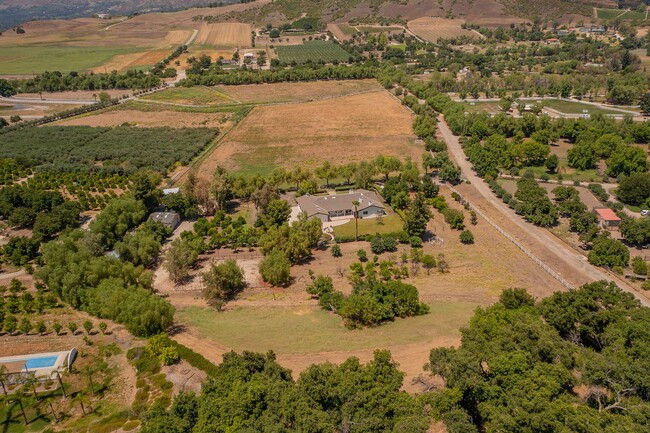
[{"x": 607, "y": 214}]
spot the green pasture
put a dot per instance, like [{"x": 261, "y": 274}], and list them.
[
  {"x": 35, "y": 59},
  {"x": 370, "y": 226},
  {"x": 309, "y": 329}
]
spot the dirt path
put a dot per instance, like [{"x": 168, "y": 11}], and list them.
[{"x": 571, "y": 265}]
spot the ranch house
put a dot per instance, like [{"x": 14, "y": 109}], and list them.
[{"x": 341, "y": 206}]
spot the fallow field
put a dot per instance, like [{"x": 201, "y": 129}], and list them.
[
  {"x": 224, "y": 35},
  {"x": 340, "y": 130},
  {"x": 432, "y": 29}
]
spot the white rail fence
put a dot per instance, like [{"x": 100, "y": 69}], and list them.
[{"x": 518, "y": 244}]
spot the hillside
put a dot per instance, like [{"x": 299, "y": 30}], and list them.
[
  {"x": 487, "y": 12},
  {"x": 14, "y": 12}
]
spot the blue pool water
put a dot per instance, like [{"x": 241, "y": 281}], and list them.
[{"x": 47, "y": 361}]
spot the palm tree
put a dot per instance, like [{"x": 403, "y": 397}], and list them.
[
  {"x": 356, "y": 220},
  {"x": 31, "y": 381},
  {"x": 20, "y": 395},
  {"x": 81, "y": 398},
  {"x": 58, "y": 376},
  {"x": 89, "y": 370},
  {"x": 3, "y": 379}
]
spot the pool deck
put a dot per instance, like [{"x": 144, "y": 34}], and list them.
[{"x": 17, "y": 363}]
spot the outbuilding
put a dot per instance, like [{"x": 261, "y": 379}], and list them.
[{"x": 607, "y": 218}]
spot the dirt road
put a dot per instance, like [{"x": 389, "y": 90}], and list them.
[{"x": 567, "y": 262}]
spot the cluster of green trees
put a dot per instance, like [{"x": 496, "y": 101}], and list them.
[
  {"x": 376, "y": 296},
  {"x": 635, "y": 189},
  {"x": 311, "y": 72},
  {"x": 520, "y": 364},
  {"x": 59, "y": 82},
  {"x": 78, "y": 269},
  {"x": 15, "y": 300},
  {"x": 252, "y": 392},
  {"x": 151, "y": 148}
]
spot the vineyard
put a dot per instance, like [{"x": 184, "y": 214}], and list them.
[
  {"x": 314, "y": 51},
  {"x": 120, "y": 149}
]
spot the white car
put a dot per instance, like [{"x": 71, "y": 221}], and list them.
[{"x": 645, "y": 212}]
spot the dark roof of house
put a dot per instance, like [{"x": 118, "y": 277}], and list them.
[
  {"x": 329, "y": 203},
  {"x": 165, "y": 217}
]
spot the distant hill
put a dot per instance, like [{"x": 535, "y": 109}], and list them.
[
  {"x": 487, "y": 12},
  {"x": 15, "y": 12}
]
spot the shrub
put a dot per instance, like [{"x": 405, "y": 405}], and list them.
[
  {"x": 466, "y": 237},
  {"x": 362, "y": 255},
  {"x": 336, "y": 251},
  {"x": 415, "y": 241},
  {"x": 275, "y": 269}
]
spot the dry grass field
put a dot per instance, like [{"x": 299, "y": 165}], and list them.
[
  {"x": 433, "y": 29},
  {"x": 145, "y": 119},
  {"x": 224, "y": 35},
  {"x": 340, "y": 130},
  {"x": 297, "y": 92}
]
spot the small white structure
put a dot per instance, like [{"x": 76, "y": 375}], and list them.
[
  {"x": 341, "y": 206},
  {"x": 168, "y": 191}
]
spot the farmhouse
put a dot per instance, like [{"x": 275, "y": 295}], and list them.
[
  {"x": 342, "y": 206},
  {"x": 168, "y": 219},
  {"x": 607, "y": 218}
]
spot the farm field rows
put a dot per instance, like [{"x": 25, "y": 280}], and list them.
[
  {"x": 341, "y": 130},
  {"x": 432, "y": 29},
  {"x": 312, "y": 51},
  {"x": 610, "y": 14},
  {"x": 224, "y": 35}
]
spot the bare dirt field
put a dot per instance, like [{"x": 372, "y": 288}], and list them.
[
  {"x": 433, "y": 29},
  {"x": 224, "y": 34},
  {"x": 339, "y": 130},
  {"x": 144, "y": 119},
  {"x": 298, "y": 92},
  {"x": 338, "y": 32}
]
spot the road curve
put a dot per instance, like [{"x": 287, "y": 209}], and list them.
[{"x": 562, "y": 258}]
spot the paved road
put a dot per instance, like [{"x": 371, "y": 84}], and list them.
[
  {"x": 556, "y": 254},
  {"x": 38, "y": 101}
]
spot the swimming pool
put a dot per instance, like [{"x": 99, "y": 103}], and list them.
[{"x": 46, "y": 361}]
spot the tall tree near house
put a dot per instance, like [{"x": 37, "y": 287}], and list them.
[
  {"x": 221, "y": 188},
  {"x": 355, "y": 203}
]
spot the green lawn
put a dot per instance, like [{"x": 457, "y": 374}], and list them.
[
  {"x": 370, "y": 226},
  {"x": 571, "y": 107},
  {"x": 37, "y": 59},
  {"x": 310, "y": 329},
  {"x": 580, "y": 175},
  {"x": 347, "y": 29},
  {"x": 200, "y": 95}
]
